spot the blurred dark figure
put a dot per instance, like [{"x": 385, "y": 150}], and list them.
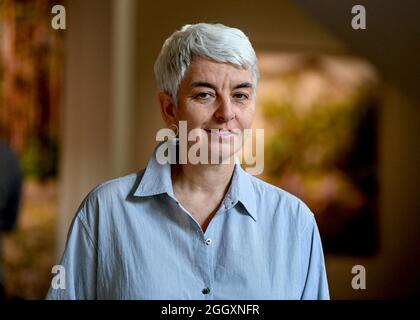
[{"x": 10, "y": 192}]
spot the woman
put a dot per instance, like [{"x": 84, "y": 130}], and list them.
[{"x": 189, "y": 230}]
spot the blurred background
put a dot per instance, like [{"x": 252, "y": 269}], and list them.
[{"x": 340, "y": 109}]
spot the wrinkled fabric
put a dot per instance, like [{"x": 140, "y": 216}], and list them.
[{"x": 132, "y": 239}]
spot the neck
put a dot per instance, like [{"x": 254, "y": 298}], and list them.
[{"x": 208, "y": 178}]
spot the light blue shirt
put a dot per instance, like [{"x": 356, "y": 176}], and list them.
[{"x": 132, "y": 239}]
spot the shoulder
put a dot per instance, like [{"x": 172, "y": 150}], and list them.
[
  {"x": 277, "y": 204},
  {"x": 117, "y": 187},
  {"x": 108, "y": 194}
]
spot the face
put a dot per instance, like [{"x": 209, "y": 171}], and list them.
[{"x": 216, "y": 96}]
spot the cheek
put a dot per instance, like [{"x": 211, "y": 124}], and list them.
[
  {"x": 195, "y": 115},
  {"x": 246, "y": 118}
]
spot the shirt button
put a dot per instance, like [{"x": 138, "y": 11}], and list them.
[
  {"x": 208, "y": 241},
  {"x": 206, "y": 290}
]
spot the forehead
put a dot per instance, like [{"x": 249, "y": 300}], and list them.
[{"x": 218, "y": 73}]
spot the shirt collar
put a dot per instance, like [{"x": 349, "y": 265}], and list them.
[
  {"x": 242, "y": 190},
  {"x": 157, "y": 180}
]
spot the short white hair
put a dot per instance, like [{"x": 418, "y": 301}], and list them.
[{"x": 213, "y": 41}]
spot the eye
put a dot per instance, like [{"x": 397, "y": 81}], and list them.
[
  {"x": 240, "y": 96},
  {"x": 203, "y": 96}
]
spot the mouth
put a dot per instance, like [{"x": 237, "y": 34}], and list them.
[{"x": 220, "y": 132}]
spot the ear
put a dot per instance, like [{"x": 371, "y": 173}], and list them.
[{"x": 168, "y": 108}]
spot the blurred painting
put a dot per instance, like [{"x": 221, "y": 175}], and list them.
[
  {"x": 31, "y": 75},
  {"x": 320, "y": 115}
]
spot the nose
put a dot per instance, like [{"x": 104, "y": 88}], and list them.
[{"x": 225, "y": 112}]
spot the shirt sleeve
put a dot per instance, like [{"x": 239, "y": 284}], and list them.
[
  {"x": 79, "y": 263},
  {"x": 316, "y": 283}
]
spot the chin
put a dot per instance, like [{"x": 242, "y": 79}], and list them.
[{"x": 226, "y": 150}]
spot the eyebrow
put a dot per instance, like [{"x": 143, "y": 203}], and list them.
[
  {"x": 244, "y": 85},
  {"x": 211, "y": 86}
]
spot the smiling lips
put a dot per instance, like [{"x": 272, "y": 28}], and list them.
[{"x": 220, "y": 132}]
